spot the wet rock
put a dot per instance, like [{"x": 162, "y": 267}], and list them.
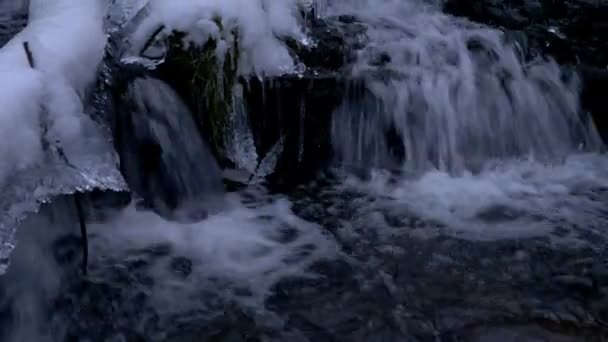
[
  {"x": 181, "y": 266},
  {"x": 233, "y": 325},
  {"x": 99, "y": 205},
  {"x": 10, "y": 25},
  {"x": 580, "y": 24},
  {"x": 595, "y": 83},
  {"x": 334, "y": 41},
  {"x": 67, "y": 250},
  {"x": 517, "y": 333},
  {"x": 100, "y": 311},
  {"x": 294, "y": 107},
  {"x": 579, "y": 284},
  {"x": 298, "y": 109},
  {"x": 499, "y": 213},
  {"x": 156, "y": 251}
]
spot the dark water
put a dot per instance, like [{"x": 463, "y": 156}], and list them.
[{"x": 360, "y": 269}]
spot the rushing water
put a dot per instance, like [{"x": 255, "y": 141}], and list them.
[
  {"x": 455, "y": 94},
  {"x": 163, "y": 156},
  {"x": 468, "y": 201}
]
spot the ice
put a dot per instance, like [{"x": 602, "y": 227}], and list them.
[{"x": 50, "y": 146}]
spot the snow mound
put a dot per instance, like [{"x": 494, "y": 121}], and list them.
[{"x": 258, "y": 27}]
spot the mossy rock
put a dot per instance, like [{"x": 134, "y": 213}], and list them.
[{"x": 206, "y": 86}]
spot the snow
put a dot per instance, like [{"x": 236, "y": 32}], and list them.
[
  {"x": 260, "y": 25},
  {"x": 66, "y": 40}
]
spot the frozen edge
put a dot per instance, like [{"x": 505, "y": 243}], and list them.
[{"x": 31, "y": 186}]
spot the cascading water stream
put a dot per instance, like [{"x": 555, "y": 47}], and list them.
[
  {"x": 457, "y": 126},
  {"x": 457, "y": 94},
  {"x": 163, "y": 156},
  {"x": 497, "y": 145}
]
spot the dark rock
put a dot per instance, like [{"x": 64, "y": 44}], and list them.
[
  {"x": 157, "y": 251},
  {"x": 181, "y": 266},
  {"x": 294, "y": 107},
  {"x": 516, "y": 333},
  {"x": 595, "y": 84},
  {"x": 67, "y": 249},
  {"x": 577, "y": 26},
  {"x": 10, "y": 25},
  {"x": 499, "y": 213},
  {"x": 299, "y": 110},
  {"x": 578, "y": 284},
  {"x": 333, "y": 45},
  {"x": 98, "y": 205},
  {"x": 233, "y": 324}
]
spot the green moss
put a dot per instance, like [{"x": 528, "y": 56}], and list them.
[{"x": 209, "y": 85}]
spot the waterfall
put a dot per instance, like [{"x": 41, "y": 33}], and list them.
[
  {"x": 163, "y": 156},
  {"x": 483, "y": 203},
  {"x": 454, "y": 94}
]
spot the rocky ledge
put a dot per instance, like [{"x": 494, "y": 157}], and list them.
[{"x": 293, "y": 108}]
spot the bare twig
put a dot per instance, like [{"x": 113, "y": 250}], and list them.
[
  {"x": 28, "y": 53},
  {"x": 45, "y": 144},
  {"x": 151, "y": 39}
]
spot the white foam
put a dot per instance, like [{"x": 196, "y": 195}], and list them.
[
  {"x": 66, "y": 40},
  {"x": 240, "y": 247},
  {"x": 457, "y": 93},
  {"x": 536, "y": 197}
]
